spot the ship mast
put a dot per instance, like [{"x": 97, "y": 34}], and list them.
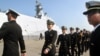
[{"x": 39, "y": 10}]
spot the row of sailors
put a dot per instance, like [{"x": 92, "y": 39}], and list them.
[{"x": 74, "y": 43}]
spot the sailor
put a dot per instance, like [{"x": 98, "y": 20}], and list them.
[
  {"x": 73, "y": 41},
  {"x": 49, "y": 48},
  {"x": 63, "y": 39},
  {"x": 77, "y": 34},
  {"x": 93, "y": 15},
  {"x": 11, "y": 33}
]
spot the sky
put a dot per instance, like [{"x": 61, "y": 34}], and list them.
[{"x": 64, "y": 12}]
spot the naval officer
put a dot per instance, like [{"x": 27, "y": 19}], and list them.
[
  {"x": 11, "y": 33},
  {"x": 93, "y": 15},
  {"x": 63, "y": 40},
  {"x": 49, "y": 48}
]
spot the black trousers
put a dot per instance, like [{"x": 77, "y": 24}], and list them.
[
  {"x": 79, "y": 49},
  {"x": 64, "y": 51},
  {"x": 73, "y": 51}
]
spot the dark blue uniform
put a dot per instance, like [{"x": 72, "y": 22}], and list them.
[
  {"x": 93, "y": 10},
  {"x": 73, "y": 43},
  {"x": 12, "y": 34},
  {"x": 64, "y": 45},
  {"x": 50, "y": 38},
  {"x": 95, "y": 43},
  {"x": 79, "y": 39}
]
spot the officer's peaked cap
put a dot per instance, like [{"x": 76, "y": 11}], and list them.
[
  {"x": 71, "y": 28},
  {"x": 77, "y": 28},
  {"x": 92, "y": 5},
  {"x": 12, "y": 12},
  {"x": 64, "y": 28},
  {"x": 49, "y": 22}
]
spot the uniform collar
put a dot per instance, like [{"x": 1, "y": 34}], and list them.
[
  {"x": 96, "y": 27},
  {"x": 77, "y": 32},
  {"x": 64, "y": 34},
  {"x": 12, "y": 21},
  {"x": 71, "y": 32},
  {"x": 50, "y": 30}
]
